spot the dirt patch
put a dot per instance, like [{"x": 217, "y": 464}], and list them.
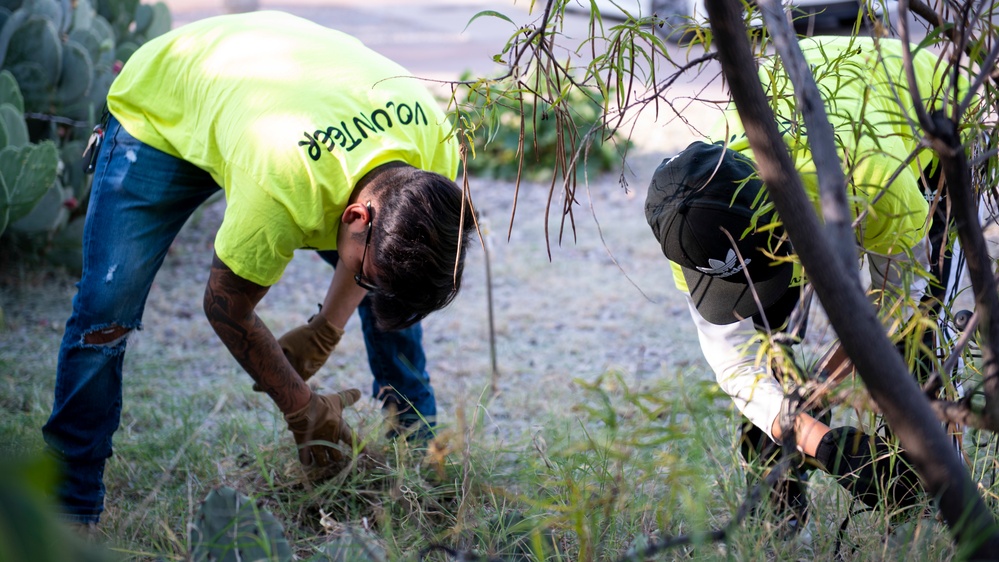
[{"x": 603, "y": 300}]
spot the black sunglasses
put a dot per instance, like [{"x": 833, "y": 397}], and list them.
[{"x": 359, "y": 276}]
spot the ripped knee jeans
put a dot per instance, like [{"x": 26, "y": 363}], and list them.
[{"x": 140, "y": 198}]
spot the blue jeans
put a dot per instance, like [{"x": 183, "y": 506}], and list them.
[
  {"x": 139, "y": 200},
  {"x": 397, "y": 362}
]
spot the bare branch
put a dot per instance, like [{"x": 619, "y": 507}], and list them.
[
  {"x": 960, "y": 413},
  {"x": 832, "y": 180},
  {"x": 943, "y": 132},
  {"x": 880, "y": 366}
]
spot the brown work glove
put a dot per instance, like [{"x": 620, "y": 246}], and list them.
[
  {"x": 308, "y": 347},
  {"x": 319, "y": 426}
]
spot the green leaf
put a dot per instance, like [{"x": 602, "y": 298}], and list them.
[
  {"x": 36, "y": 41},
  {"x": 4, "y": 206},
  {"x": 35, "y": 84},
  {"x": 73, "y": 177},
  {"x": 83, "y": 15},
  {"x": 124, "y": 50},
  {"x": 487, "y": 13},
  {"x": 10, "y": 25},
  {"x": 77, "y": 74},
  {"x": 47, "y": 215},
  {"x": 118, "y": 13},
  {"x": 10, "y": 92},
  {"x": 29, "y": 171},
  {"x": 15, "y": 129},
  {"x": 51, "y": 10},
  {"x": 143, "y": 17},
  {"x": 151, "y": 20},
  {"x": 230, "y": 527},
  {"x": 4, "y": 16}
]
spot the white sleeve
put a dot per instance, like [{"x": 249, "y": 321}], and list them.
[{"x": 756, "y": 393}]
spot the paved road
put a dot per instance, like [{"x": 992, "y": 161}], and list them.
[
  {"x": 438, "y": 39},
  {"x": 431, "y": 38}
]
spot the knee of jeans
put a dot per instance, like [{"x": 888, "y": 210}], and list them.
[{"x": 108, "y": 337}]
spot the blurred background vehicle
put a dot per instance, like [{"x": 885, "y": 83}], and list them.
[{"x": 682, "y": 17}]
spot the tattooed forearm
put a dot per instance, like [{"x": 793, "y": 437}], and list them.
[{"x": 229, "y": 305}]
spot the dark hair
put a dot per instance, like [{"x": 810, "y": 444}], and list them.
[{"x": 415, "y": 244}]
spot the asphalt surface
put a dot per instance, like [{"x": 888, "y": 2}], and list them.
[
  {"x": 432, "y": 38},
  {"x": 443, "y": 39}
]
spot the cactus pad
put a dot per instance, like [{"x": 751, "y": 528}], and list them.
[{"x": 230, "y": 527}]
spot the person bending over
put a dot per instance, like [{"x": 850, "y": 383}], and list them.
[
  {"x": 711, "y": 214},
  {"x": 318, "y": 143}
]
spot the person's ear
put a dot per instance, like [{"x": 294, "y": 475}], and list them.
[{"x": 355, "y": 212}]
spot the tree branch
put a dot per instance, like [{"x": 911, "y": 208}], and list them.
[
  {"x": 957, "y": 412},
  {"x": 853, "y": 318},
  {"x": 944, "y": 136},
  {"x": 825, "y": 153}
]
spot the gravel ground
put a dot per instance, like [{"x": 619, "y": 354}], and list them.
[{"x": 603, "y": 301}]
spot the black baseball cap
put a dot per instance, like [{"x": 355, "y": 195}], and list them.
[{"x": 693, "y": 199}]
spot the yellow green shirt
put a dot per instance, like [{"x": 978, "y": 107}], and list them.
[
  {"x": 287, "y": 116},
  {"x": 863, "y": 85}
]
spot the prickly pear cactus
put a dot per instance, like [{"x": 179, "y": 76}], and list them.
[
  {"x": 230, "y": 528},
  {"x": 13, "y": 130},
  {"x": 27, "y": 171},
  {"x": 48, "y": 214},
  {"x": 26, "y": 174},
  {"x": 10, "y": 93},
  {"x": 57, "y": 61}
]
